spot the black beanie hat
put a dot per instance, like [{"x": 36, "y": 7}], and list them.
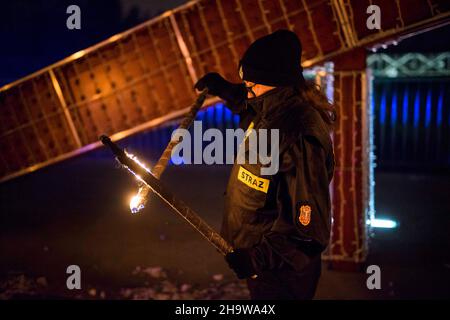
[{"x": 273, "y": 60}]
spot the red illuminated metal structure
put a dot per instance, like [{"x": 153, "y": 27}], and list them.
[
  {"x": 141, "y": 197},
  {"x": 144, "y": 76}
]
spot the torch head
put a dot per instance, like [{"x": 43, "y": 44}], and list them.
[
  {"x": 138, "y": 202},
  {"x": 135, "y": 204}
]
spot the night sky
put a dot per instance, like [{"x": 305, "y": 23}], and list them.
[{"x": 34, "y": 33}]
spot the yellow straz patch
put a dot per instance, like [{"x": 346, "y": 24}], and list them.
[{"x": 253, "y": 181}]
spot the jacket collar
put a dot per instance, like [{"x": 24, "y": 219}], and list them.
[
  {"x": 273, "y": 103},
  {"x": 282, "y": 108}
]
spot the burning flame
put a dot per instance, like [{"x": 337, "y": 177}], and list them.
[
  {"x": 137, "y": 202},
  {"x": 135, "y": 159}
]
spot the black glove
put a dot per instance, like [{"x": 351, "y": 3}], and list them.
[
  {"x": 240, "y": 261},
  {"x": 215, "y": 83},
  {"x": 232, "y": 93}
]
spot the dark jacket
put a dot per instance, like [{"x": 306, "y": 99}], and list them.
[{"x": 288, "y": 222}]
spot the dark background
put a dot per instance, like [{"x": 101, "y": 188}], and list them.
[
  {"x": 76, "y": 212},
  {"x": 33, "y": 33}
]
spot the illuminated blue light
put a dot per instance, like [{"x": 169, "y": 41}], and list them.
[
  {"x": 176, "y": 159},
  {"x": 416, "y": 109},
  {"x": 236, "y": 120},
  {"x": 383, "y": 108},
  {"x": 228, "y": 115},
  {"x": 219, "y": 112},
  {"x": 210, "y": 115},
  {"x": 439, "y": 108},
  {"x": 394, "y": 110},
  {"x": 428, "y": 110},
  {"x": 200, "y": 116},
  {"x": 405, "y": 108},
  {"x": 372, "y": 104}
]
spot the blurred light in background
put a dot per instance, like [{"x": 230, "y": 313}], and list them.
[{"x": 382, "y": 223}]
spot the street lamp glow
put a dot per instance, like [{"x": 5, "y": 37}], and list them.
[{"x": 382, "y": 223}]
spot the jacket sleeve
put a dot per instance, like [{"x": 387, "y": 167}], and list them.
[{"x": 302, "y": 227}]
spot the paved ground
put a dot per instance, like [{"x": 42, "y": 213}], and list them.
[{"x": 77, "y": 213}]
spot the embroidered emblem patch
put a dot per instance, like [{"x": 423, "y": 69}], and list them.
[
  {"x": 252, "y": 180},
  {"x": 305, "y": 215}
]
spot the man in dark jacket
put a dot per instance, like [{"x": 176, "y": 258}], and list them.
[{"x": 280, "y": 230}]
